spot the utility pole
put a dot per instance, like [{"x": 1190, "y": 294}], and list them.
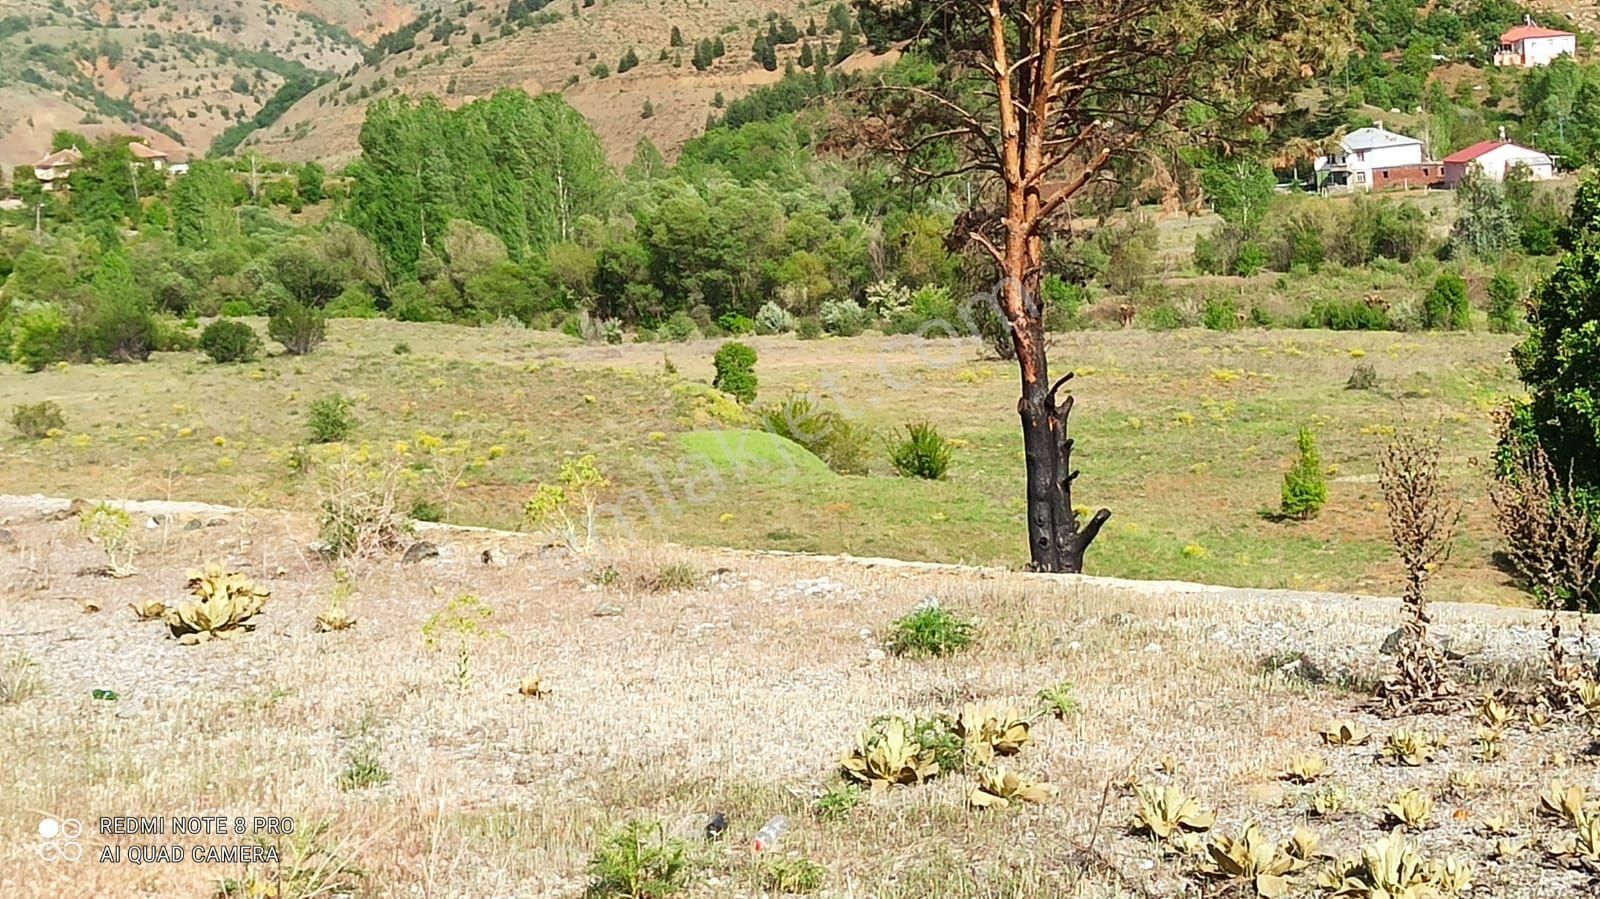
[{"x": 38, "y": 218}]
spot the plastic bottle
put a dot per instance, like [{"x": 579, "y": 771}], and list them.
[{"x": 767, "y": 836}]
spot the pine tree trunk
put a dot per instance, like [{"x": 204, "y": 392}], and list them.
[{"x": 1056, "y": 542}]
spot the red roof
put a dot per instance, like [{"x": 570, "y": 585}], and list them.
[
  {"x": 1474, "y": 151},
  {"x": 1523, "y": 32}
]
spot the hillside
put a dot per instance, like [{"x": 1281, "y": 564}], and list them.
[
  {"x": 175, "y": 73},
  {"x": 555, "y": 49}
]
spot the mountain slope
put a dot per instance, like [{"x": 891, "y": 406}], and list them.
[
  {"x": 553, "y": 49},
  {"x": 178, "y": 72}
]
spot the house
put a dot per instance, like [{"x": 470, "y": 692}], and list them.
[
  {"x": 1530, "y": 46},
  {"x": 146, "y": 155},
  {"x": 53, "y": 170},
  {"x": 1495, "y": 158},
  {"x": 1376, "y": 157}
]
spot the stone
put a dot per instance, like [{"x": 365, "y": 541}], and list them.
[
  {"x": 494, "y": 556},
  {"x": 6, "y": 539},
  {"x": 876, "y": 655},
  {"x": 607, "y": 610},
  {"x": 418, "y": 551}
]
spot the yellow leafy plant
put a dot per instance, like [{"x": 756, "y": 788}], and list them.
[
  {"x": 223, "y": 603},
  {"x": 1268, "y": 866},
  {"x": 889, "y": 755},
  {"x": 1165, "y": 811},
  {"x": 1305, "y": 768},
  {"x": 1410, "y": 809},
  {"x": 988, "y": 731},
  {"x": 1410, "y": 748},
  {"x": 1344, "y": 733},
  {"x": 998, "y": 788}
]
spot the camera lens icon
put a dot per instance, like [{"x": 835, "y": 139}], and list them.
[{"x": 58, "y": 839}]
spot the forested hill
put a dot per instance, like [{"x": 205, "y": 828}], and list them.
[{"x": 179, "y": 73}]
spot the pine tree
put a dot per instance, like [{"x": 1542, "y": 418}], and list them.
[
  {"x": 648, "y": 111},
  {"x": 703, "y": 55},
  {"x": 806, "y": 60},
  {"x": 677, "y": 38},
  {"x": 628, "y": 61},
  {"x": 847, "y": 45},
  {"x": 763, "y": 53},
  {"x": 718, "y": 48}
]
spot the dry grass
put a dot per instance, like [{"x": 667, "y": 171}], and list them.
[{"x": 737, "y": 695}]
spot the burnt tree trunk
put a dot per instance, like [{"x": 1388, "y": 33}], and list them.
[{"x": 1056, "y": 541}]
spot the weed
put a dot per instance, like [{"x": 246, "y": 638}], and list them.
[
  {"x": 19, "y": 679},
  {"x": 329, "y": 420},
  {"x": 113, "y": 530},
  {"x": 792, "y": 875},
  {"x": 930, "y": 630},
  {"x": 402, "y": 348},
  {"x": 1363, "y": 377},
  {"x": 463, "y": 621},
  {"x": 676, "y": 576},
  {"x": 1058, "y": 700},
  {"x": 570, "y": 504},
  {"x": 358, "y": 514},
  {"x": 639, "y": 861},
  {"x": 36, "y": 421},
  {"x": 1304, "y": 487},
  {"x": 824, "y": 433},
  {"x": 921, "y": 452},
  {"x": 364, "y": 766},
  {"x": 837, "y": 802}
]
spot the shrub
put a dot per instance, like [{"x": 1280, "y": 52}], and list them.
[
  {"x": 1164, "y": 317},
  {"x": 639, "y": 861},
  {"x": 36, "y": 420},
  {"x": 352, "y": 303},
  {"x": 788, "y": 876},
  {"x": 930, "y": 630},
  {"x": 39, "y": 337},
  {"x": 774, "y": 319},
  {"x": 921, "y": 452},
  {"x": 236, "y": 309},
  {"x": 824, "y": 433},
  {"x": 809, "y": 328},
  {"x": 1221, "y": 314},
  {"x": 364, "y": 766},
  {"x": 330, "y": 420},
  {"x": 298, "y": 327},
  {"x": 1445, "y": 307},
  {"x": 679, "y": 327},
  {"x": 1348, "y": 315},
  {"x": 736, "y": 324},
  {"x": 1251, "y": 259},
  {"x": 736, "y": 372},
  {"x": 120, "y": 330},
  {"x": 1504, "y": 298},
  {"x": 845, "y": 318},
  {"x": 230, "y": 341},
  {"x": 1304, "y": 488},
  {"x": 1364, "y": 377}
]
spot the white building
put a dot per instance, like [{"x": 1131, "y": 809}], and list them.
[
  {"x": 1495, "y": 158},
  {"x": 1529, "y": 46},
  {"x": 1365, "y": 152},
  {"x": 54, "y": 170}
]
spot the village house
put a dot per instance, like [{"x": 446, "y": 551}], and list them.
[
  {"x": 146, "y": 155},
  {"x": 1376, "y": 158},
  {"x": 1495, "y": 158},
  {"x": 1529, "y": 46},
  {"x": 53, "y": 170}
]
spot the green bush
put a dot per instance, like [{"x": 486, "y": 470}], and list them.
[
  {"x": 1504, "y": 299},
  {"x": 175, "y": 337},
  {"x": 120, "y": 330},
  {"x": 736, "y": 372},
  {"x": 330, "y": 419},
  {"x": 930, "y": 630},
  {"x": 1164, "y": 317},
  {"x": 679, "y": 327},
  {"x": 1304, "y": 488},
  {"x": 639, "y": 861},
  {"x": 230, "y": 341},
  {"x": 40, "y": 336},
  {"x": 809, "y": 328},
  {"x": 1063, "y": 304},
  {"x": 824, "y": 433},
  {"x": 921, "y": 452},
  {"x": 36, "y": 420},
  {"x": 352, "y": 303},
  {"x": 736, "y": 324},
  {"x": 1445, "y": 307},
  {"x": 300, "y": 328},
  {"x": 1348, "y": 315},
  {"x": 236, "y": 309},
  {"x": 844, "y": 318},
  {"x": 1221, "y": 314},
  {"x": 1251, "y": 259}
]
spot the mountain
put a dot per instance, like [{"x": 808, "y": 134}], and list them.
[
  {"x": 178, "y": 73},
  {"x": 460, "y": 53}
]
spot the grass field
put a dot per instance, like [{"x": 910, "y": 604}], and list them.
[{"x": 1184, "y": 435}]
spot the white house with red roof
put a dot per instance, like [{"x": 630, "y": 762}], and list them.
[
  {"x": 1530, "y": 46},
  {"x": 1496, "y": 158}
]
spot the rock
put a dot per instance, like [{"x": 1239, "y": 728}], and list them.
[
  {"x": 216, "y": 522},
  {"x": 193, "y": 524},
  {"x": 6, "y": 539},
  {"x": 607, "y": 610},
  {"x": 418, "y": 551},
  {"x": 1453, "y": 649},
  {"x": 876, "y": 655},
  {"x": 494, "y": 556}
]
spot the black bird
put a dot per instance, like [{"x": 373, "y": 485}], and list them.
[{"x": 716, "y": 826}]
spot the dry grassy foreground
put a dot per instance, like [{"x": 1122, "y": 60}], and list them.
[{"x": 737, "y": 695}]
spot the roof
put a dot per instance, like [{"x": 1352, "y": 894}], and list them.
[
  {"x": 1523, "y": 32},
  {"x": 69, "y": 156},
  {"x": 143, "y": 152},
  {"x": 1375, "y": 137},
  {"x": 1482, "y": 147}
]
